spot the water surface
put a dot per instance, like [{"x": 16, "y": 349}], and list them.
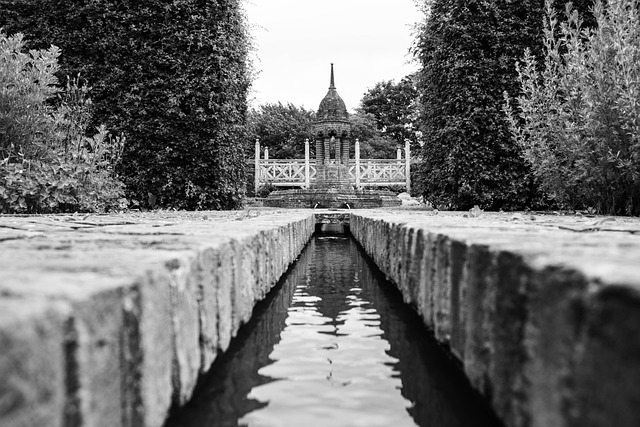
[{"x": 333, "y": 345}]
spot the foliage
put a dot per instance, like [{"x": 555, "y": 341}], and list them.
[
  {"x": 578, "y": 118},
  {"x": 171, "y": 76},
  {"x": 47, "y": 164},
  {"x": 394, "y": 108},
  {"x": 467, "y": 50},
  {"x": 27, "y": 80},
  {"x": 583, "y": 7},
  {"x": 265, "y": 189},
  {"x": 281, "y": 128},
  {"x": 81, "y": 182},
  {"x": 373, "y": 143}
]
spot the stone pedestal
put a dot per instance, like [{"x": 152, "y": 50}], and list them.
[{"x": 332, "y": 176}]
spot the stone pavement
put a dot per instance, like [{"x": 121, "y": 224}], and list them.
[
  {"x": 543, "y": 311},
  {"x": 109, "y": 320}
]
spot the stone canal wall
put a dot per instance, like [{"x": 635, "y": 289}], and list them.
[
  {"x": 543, "y": 312},
  {"x": 109, "y": 320}
]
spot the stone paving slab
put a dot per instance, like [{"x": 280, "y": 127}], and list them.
[
  {"x": 108, "y": 320},
  {"x": 543, "y": 311}
]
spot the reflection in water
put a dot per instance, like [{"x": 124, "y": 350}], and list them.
[{"x": 333, "y": 345}]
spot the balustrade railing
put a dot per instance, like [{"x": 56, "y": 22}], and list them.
[{"x": 302, "y": 172}]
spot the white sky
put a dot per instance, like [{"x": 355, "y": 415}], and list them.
[{"x": 297, "y": 40}]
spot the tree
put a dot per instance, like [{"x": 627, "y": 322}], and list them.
[
  {"x": 171, "y": 76},
  {"x": 281, "y": 128},
  {"x": 578, "y": 116},
  {"x": 394, "y": 107},
  {"x": 373, "y": 143},
  {"x": 467, "y": 50}
]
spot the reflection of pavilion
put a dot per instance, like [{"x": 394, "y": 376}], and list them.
[{"x": 332, "y": 274}]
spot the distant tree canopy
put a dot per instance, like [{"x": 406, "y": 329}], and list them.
[
  {"x": 170, "y": 76},
  {"x": 281, "y": 128},
  {"x": 394, "y": 108},
  {"x": 374, "y": 144}
]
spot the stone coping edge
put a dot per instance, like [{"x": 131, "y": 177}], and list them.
[
  {"x": 112, "y": 325},
  {"x": 545, "y": 321}
]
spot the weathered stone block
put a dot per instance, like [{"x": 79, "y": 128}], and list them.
[
  {"x": 185, "y": 294},
  {"x": 427, "y": 278},
  {"x": 479, "y": 316},
  {"x": 32, "y": 363},
  {"x": 457, "y": 265},
  {"x": 442, "y": 290},
  {"x": 94, "y": 364},
  {"x": 224, "y": 296},
  {"x": 608, "y": 367},
  {"x": 544, "y": 319},
  {"x": 415, "y": 252},
  {"x": 507, "y": 338},
  {"x": 148, "y": 349},
  {"x": 552, "y": 335},
  {"x": 243, "y": 296},
  {"x": 208, "y": 306}
]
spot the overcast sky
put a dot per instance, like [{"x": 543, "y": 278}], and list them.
[{"x": 297, "y": 40}]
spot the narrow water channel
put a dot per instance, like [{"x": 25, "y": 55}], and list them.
[{"x": 334, "y": 345}]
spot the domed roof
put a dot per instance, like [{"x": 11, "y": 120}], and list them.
[{"x": 332, "y": 107}]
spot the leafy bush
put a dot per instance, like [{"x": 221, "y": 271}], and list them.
[
  {"x": 27, "y": 80},
  {"x": 47, "y": 163},
  {"x": 578, "y": 117},
  {"x": 266, "y": 189},
  {"x": 170, "y": 76}
]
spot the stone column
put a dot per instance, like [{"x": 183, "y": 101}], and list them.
[
  {"x": 319, "y": 151},
  {"x": 307, "y": 178},
  {"x": 257, "y": 167},
  {"x": 266, "y": 153},
  {"x": 407, "y": 165},
  {"x": 345, "y": 150},
  {"x": 357, "y": 164},
  {"x": 327, "y": 150}
]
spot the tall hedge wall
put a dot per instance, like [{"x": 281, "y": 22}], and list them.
[
  {"x": 170, "y": 75},
  {"x": 468, "y": 50}
]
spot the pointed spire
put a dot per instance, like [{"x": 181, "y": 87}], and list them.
[{"x": 332, "y": 85}]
